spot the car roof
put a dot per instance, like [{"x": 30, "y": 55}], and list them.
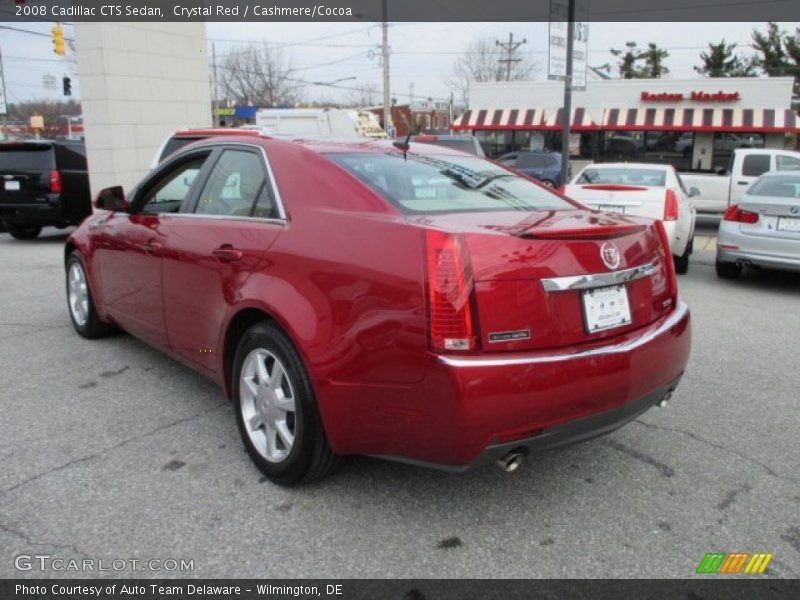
[
  {"x": 215, "y": 131},
  {"x": 330, "y": 145}
]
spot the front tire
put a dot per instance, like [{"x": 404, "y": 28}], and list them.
[
  {"x": 728, "y": 270},
  {"x": 23, "y": 232},
  {"x": 276, "y": 410},
  {"x": 81, "y": 306}
]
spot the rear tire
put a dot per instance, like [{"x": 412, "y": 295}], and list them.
[
  {"x": 276, "y": 410},
  {"x": 682, "y": 262},
  {"x": 80, "y": 303},
  {"x": 728, "y": 270},
  {"x": 23, "y": 232}
]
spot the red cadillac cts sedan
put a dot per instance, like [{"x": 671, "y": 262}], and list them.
[{"x": 356, "y": 297}]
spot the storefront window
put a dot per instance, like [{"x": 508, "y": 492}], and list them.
[
  {"x": 726, "y": 143},
  {"x": 671, "y": 147}
]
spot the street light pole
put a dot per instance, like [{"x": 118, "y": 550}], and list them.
[
  {"x": 566, "y": 113},
  {"x": 387, "y": 113}
]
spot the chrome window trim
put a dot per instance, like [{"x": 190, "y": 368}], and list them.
[
  {"x": 595, "y": 280},
  {"x": 270, "y": 175},
  {"x": 621, "y": 348},
  {"x": 271, "y": 220}
]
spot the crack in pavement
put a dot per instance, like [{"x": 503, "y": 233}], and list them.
[
  {"x": 23, "y": 536},
  {"x": 111, "y": 448},
  {"x": 702, "y": 440},
  {"x": 666, "y": 470}
]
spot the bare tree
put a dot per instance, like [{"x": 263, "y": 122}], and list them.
[
  {"x": 260, "y": 75},
  {"x": 481, "y": 62},
  {"x": 366, "y": 94}
]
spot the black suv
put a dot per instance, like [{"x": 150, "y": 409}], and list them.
[{"x": 42, "y": 182}]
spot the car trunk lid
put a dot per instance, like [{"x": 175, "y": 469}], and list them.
[
  {"x": 531, "y": 272},
  {"x": 637, "y": 200}
]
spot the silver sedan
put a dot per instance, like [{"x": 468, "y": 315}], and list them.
[{"x": 763, "y": 230}]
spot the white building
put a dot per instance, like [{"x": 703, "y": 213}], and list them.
[{"x": 692, "y": 123}]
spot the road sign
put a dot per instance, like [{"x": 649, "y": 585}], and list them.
[
  {"x": 557, "y": 55},
  {"x": 48, "y": 82}
]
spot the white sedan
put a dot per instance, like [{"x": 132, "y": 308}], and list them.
[{"x": 643, "y": 190}]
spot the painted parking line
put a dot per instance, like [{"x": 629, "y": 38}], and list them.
[{"x": 705, "y": 242}]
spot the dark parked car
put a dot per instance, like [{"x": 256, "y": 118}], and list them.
[
  {"x": 42, "y": 182},
  {"x": 464, "y": 143},
  {"x": 352, "y": 298},
  {"x": 544, "y": 166}
]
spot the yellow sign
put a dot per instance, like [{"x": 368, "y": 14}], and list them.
[{"x": 37, "y": 122}]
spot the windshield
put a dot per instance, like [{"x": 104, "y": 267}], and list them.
[
  {"x": 787, "y": 186},
  {"x": 623, "y": 176},
  {"x": 437, "y": 184}
]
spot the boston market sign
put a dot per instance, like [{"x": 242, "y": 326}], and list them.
[{"x": 694, "y": 97}]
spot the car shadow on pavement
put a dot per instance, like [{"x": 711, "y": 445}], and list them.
[{"x": 54, "y": 236}]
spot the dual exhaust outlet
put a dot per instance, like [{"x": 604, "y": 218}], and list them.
[{"x": 511, "y": 462}]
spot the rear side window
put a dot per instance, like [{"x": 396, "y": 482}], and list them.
[
  {"x": 436, "y": 184},
  {"x": 755, "y": 165},
  {"x": 26, "y": 157},
  {"x": 233, "y": 186},
  {"x": 71, "y": 157}
]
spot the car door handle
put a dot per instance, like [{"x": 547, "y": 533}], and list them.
[
  {"x": 742, "y": 182},
  {"x": 151, "y": 246},
  {"x": 227, "y": 253}
]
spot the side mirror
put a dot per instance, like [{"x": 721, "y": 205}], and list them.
[
  {"x": 693, "y": 191},
  {"x": 719, "y": 170},
  {"x": 112, "y": 198}
]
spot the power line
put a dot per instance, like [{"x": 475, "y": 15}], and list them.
[{"x": 28, "y": 31}]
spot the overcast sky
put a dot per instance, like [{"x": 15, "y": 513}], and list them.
[{"x": 422, "y": 53}]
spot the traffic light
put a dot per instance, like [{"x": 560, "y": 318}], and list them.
[
  {"x": 58, "y": 40},
  {"x": 67, "y": 86}
]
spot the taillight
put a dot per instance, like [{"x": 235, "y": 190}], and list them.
[
  {"x": 451, "y": 324},
  {"x": 671, "y": 206},
  {"x": 734, "y": 213},
  {"x": 669, "y": 266},
  {"x": 55, "y": 182}
]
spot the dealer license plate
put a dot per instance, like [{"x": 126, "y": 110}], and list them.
[
  {"x": 12, "y": 185},
  {"x": 788, "y": 224},
  {"x": 606, "y": 308}
]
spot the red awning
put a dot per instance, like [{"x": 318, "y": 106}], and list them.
[
  {"x": 764, "y": 120},
  {"x": 542, "y": 119}
]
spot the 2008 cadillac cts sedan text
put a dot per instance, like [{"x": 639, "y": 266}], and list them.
[{"x": 364, "y": 297}]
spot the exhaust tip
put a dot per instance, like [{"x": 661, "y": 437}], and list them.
[
  {"x": 511, "y": 461},
  {"x": 665, "y": 400}
]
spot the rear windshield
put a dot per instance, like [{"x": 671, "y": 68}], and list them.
[
  {"x": 462, "y": 145},
  {"x": 435, "y": 184},
  {"x": 622, "y": 176},
  {"x": 26, "y": 157},
  {"x": 777, "y": 187}
]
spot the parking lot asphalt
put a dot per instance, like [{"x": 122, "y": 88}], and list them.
[{"x": 111, "y": 450}]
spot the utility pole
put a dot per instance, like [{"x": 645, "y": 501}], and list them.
[
  {"x": 566, "y": 113},
  {"x": 510, "y": 47},
  {"x": 214, "y": 83},
  {"x": 387, "y": 112}
]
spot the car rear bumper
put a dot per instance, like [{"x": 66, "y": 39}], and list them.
[
  {"x": 471, "y": 409},
  {"x": 43, "y": 209},
  {"x": 757, "y": 250}
]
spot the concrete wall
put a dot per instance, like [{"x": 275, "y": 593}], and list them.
[{"x": 139, "y": 83}]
